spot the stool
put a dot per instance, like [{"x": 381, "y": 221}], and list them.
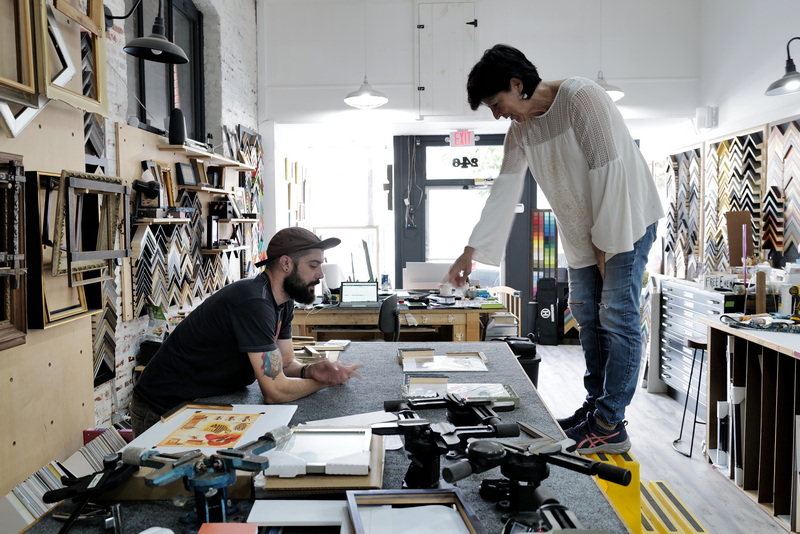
[{"x": 696, "y": 345}]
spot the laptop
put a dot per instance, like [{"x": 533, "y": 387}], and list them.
[{"x": 359, "y": 295}]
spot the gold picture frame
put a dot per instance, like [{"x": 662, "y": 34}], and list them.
[
  {"x": 96, "y": 103},
  {"x": 16, "y": 120},
  {"x": 16, "y": 53}
]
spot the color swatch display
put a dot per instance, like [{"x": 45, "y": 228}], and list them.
[{"x": 544, "y": 247}]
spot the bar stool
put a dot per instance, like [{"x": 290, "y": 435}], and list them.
[{"x": 697, "y": 345}]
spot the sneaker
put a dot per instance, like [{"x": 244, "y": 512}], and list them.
[
  {"x": 590, "y": 437},
  {"x": 575, "y": 419}
]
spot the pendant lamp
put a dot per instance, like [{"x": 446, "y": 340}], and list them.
[
  {"x": 790, "y": 82},
  {"x": 613, "y": 91},
  {"x": 365, "y": 97},
  {"x": 155, "y": 47}
]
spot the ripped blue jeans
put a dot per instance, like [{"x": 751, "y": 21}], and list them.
[{"x": 609, "y": 322}]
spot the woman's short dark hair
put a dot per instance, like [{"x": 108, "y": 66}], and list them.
[{"x": 493, "y": 73}]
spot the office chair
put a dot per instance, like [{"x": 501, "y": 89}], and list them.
[{"x": 389, "y": 317}]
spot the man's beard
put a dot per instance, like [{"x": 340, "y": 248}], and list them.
[{"x": 298, "y": 290}]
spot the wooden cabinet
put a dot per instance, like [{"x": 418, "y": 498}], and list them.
[
  {"x": 683, "y": 304},
  {"x": 764, "y": 368}
]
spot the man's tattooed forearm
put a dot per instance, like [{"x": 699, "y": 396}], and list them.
[{"x": 272, "y": 364}]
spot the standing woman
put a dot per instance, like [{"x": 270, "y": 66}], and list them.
[{"x": 606, "y": 206}]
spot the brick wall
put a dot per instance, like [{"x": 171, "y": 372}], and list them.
[{"x": 229, "y": 69}]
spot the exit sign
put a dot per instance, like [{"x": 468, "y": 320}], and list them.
[{"x": 462, "y": 138}]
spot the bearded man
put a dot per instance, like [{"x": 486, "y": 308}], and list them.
[{"x": 241, "y": 334}]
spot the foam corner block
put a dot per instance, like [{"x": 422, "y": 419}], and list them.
[
  {"x": 285, "y": 465},
  {"x": 352, "y": 464}
]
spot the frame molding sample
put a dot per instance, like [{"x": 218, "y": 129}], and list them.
[
  {"x": 52, "y": 301},
  {"x": 78, "y": 194},
  {"x": 13, "y": 279}
]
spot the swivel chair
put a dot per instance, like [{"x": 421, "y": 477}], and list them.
[{"x": 389, "y": 317}]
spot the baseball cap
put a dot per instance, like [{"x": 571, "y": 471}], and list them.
[{"x": 295, "y": 239}]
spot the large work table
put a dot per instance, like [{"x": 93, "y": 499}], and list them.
[{"x": 381, "y": 380}]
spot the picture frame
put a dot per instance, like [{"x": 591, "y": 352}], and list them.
[
  {"x": 185, "y": 174},
  {"x": 89, "y": 14},
  {"x": 199, "y": 171},
  {"x": 16, "y": 48},
  {"x": 237, "y": 213},
  {"x": 168, "y": 182},
  {"x": 321, "y": 447},
  {"x": 15, "y": 118},
  {"x": 93, "y": 200},
  {"x": 361, "y": 504},
  {"x": 51, "y": 300},
  {"x": 155, "y": 174},
  {"x": 90, "y": 95}
]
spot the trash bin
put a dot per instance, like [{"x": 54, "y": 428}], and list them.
[{"x": 525, "y": 350}]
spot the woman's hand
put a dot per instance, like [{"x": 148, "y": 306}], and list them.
[
  {"x": 332, "y": 373},
  {"x": 461, "y": 268},
  {"x": 600, "y": 256}
]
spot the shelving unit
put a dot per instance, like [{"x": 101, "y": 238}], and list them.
[{"x": 766, "y": 366}]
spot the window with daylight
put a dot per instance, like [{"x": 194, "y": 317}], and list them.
[{"x": 162, "y": 87}]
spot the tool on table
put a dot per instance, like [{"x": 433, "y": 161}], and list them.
[
  {"x": 82, "y": 489},
  {"x": 425, "y": 443},
  {"x": 207, "y": 476},
  {"x": 529, "y": 505}
]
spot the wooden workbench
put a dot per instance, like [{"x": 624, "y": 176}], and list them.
[{"x": 451, "y": 323}]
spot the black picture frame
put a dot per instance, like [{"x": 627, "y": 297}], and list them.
[{"x": 186, "y": 174}]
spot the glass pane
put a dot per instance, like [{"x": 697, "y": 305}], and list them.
[
  {"x": 462, "y": 163},
  {"x": 155, "y": 94},
  {"x": 448, "y": 230},
  {"x": 184, "y": 29}
]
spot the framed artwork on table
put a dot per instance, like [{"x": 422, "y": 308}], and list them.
[
  {"x": 443, "y": 507},
  {"x": 186, "y": 175}
]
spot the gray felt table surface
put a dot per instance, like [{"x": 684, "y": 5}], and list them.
[{"x": 381, "y": 380}]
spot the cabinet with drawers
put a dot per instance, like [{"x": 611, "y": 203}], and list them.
[{"x": 682, "y": 304}]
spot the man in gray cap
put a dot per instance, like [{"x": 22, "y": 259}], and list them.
[{"x": 242, "y": 333}]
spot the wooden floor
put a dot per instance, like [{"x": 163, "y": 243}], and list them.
[{"x": 653, "y": 423}]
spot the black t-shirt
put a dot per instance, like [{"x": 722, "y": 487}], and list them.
[{"x": 206, "y": 354}]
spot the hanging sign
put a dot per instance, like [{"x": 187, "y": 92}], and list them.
[{"x": 462, "y": 138}]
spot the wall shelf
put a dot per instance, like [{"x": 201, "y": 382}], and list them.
[
  {"x": 237, "y": 221},
  {"x": 216, "y": 159},
  {"x": 205, "y": 189},
  {"x": 221, "y": 250},
  {"x": 161, "y": 220}
]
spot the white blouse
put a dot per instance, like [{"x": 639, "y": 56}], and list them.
[{"x": 584, "y": 159}]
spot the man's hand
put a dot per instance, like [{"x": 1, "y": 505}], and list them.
[
  {"x": 332, "y": 373},
  {"x": 461, "y": 268},
  {"x": 600, "y": 256}
]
